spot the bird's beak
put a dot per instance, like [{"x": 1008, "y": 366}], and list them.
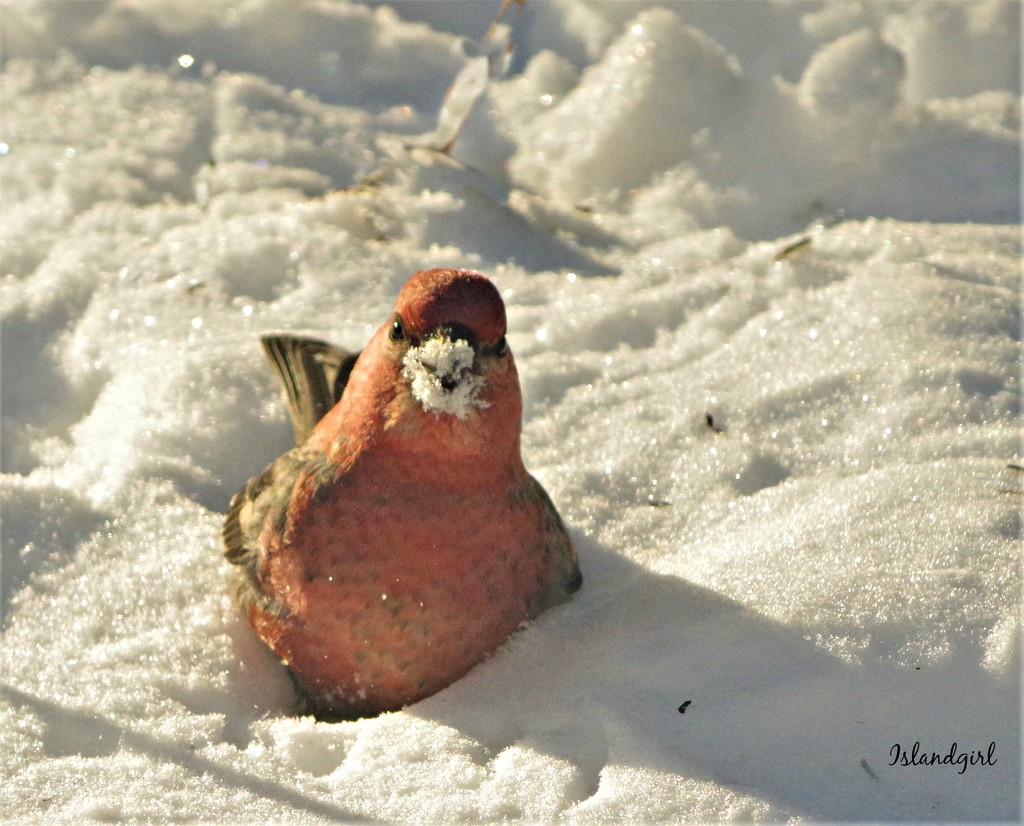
[{"x": 443, "y": 371}]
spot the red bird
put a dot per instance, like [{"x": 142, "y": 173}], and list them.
[{"x": 402, "y": 540}]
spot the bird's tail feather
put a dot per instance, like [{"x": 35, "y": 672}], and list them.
[{"x": 313, "y": 373}]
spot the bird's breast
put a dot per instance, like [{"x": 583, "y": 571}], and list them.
[{"x": 396, "y": 591}]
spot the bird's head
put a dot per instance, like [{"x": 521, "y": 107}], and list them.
[
  {"x": 449, "y": 328},
  {"x": 440, "y": 368}
]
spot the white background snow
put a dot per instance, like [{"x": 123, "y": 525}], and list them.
[{"x": 829, "y": 568}]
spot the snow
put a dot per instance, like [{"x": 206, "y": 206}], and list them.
[
  {"x": 762, "y": 266},
  {"x": 438, "y": 362}
]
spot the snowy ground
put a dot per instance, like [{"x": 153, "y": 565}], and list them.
[{"x": 798, "y": 219}]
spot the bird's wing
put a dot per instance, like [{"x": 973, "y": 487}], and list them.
[
  {"x": 564, "y": 574},
  {"x": 261, "y": 505},
  {"x": 265, "y": 495},
  {"x": 313, "y": 373}
]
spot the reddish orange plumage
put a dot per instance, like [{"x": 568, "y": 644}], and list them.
[{"x": 404, "y": 540}]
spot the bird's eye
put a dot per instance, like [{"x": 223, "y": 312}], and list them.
[
  {"x": 397, "y": 331},
  {"x": 501, "y": 347}
]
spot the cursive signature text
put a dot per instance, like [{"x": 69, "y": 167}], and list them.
[{"x": 953, "y": 757}]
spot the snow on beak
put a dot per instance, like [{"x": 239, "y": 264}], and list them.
[{"x": 440, "y": 372}]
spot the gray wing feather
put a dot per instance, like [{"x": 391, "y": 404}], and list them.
[
  {"x": 313, "y": 374},
  {"x": 265, "y": 496},
  {"x": 564, "y": 572}
]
